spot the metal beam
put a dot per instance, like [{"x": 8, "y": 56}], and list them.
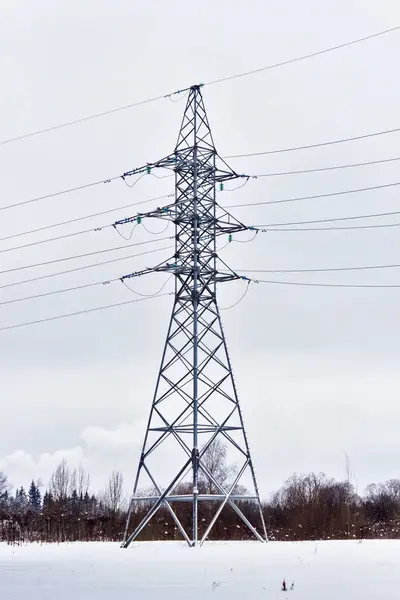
[{"x": 195, "y": 375}]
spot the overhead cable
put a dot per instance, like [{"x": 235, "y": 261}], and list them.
[
  {"x": 209, "y": 83},
  {"x": 331, "y": 219},
  {"x": 91, "y": 216},
  {"x": 329, "y": 285},
  {"x": 323, "y": 270},
  {"x": 88, "y": 118},
  {"x": 303, "y": 57},
  {"x": 328, "y": 195},
  {"x": 84, "y": 267},
  {"x": 70, "y": 190},
  {"x": 82, "y": 287},
  {"x": 62, "y": 291},
  {"x": 74, "y": 256},
  {"x": 242, "y": 297},
  {"x": 60, "y": 193},
  {"x": 80, "y": 312},
  {"x": 55, "y": 239},
  {"x": 345, "y": 228},
  {"x": 317, "y": 145},
  {"x": 331, "y": 168}
]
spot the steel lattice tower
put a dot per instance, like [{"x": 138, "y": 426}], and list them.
[{"x": 195, "y": 400}]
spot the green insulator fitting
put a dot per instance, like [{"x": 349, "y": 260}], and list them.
[
  {"x": 148, "y": 169},
  {"x": 221, "y": 187},
  {"x": 139, "y": 220},
  {"x": 230, "y": 237}
]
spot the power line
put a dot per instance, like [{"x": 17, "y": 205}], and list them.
[
  {"x": 357, "y": 268},
  {"x": 96, "y": 252},
  {"x": 88, "y": 118},
  {"x": 213, "y": 82},
  {"x": 331, "y": 219},
  {"x": 332, "y": 168},
  {"x": 330, "y": 194},
  {"x": 82, "y": 268},
  {"x": 348, "y": 227},
  {"x": 70, "y": 190},
  {"x": 318, "y": 145},
  {"x": 77, "y": 219},
  {"x": 62, "y": 291},
  {"x": 334, "y": 285},
  {"x": 242, "y": 297},
  {"x": 55, "y": 239},
  {"x": 54, "y": 194},
  {"x": 81, "y": 287},
  {"x": 61, "y": 237},
  {"x": 147, "y": 295},
  {"x": 80, "y": 312},
  {"x": 303, "y": 57},
  {"x": 104, "y": 181}
]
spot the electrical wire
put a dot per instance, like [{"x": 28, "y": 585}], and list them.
[
  {"x": 109, "y": 281},
  {"x": 331, "y": 168},
  {"x": 135, "y": 181},
  {"x": 324, "y": 270},
  {"x": 74, "y": 189},
  {"x": 330, "y": 194},
  {"x": 76, "y": 219},
  {"x": 209, "y": 83},
  {"x": 130, "y": 235},
  {"x": 335, "y": 285},
  {"x": 162, "y": 176},
  {"x": 55, "y": 239},
  {"x": 155, "y": 232},
  {"x": 147, "y": 295},
  {"x": 348, "y": 228},
  {"x": 62, "y": 291},
  {"x": 81, "y": 287},
  {"x": 331, "y": 219},
  {"x": 60, "y": 193},
  {"x": 179, "y": 99},
  {"x": 68, "y": 235},
  {"x": 246, "y": 241},
  {"x": 224, "y": 246},
  {"x": 88, "y": 118},
  {"x": 242, "y": 184},
  {"x": 237, "y": 242},
  {"x": 303, "y": 57},
  {"x": 79, "y": 312},
  {"x": 82, "y": 187},
  {"x": 240, "y": 299},
  {"x": 82, "y": 268},
  {"x": 317, "y": 145},
  {"x": 94, "y": 253}
]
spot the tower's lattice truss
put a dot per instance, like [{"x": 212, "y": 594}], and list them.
[{"x": 195, "y": 400}]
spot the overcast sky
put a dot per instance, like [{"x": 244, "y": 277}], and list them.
[{"x": 317, "y": 368}]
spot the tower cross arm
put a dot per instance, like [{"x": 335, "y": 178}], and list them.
[
  {"x": 167, "y": 162},
  {"x": 166, "y": 267}
]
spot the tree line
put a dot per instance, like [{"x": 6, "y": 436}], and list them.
[{"x": 307, "y": 507}]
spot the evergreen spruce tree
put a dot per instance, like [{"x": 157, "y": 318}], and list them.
[{"x": 34, "y": 495}]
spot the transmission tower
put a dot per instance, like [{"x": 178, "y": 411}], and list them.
[{"x": 195, "y": 400}]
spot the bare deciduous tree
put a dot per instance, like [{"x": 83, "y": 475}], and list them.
[
  {"x": 215, "y": 462},
  {"x": 383, "y": 499},
  {"x": 4, "y": 485},
  {"x": 60, "y": 481},
  {"x": 79, "y": 481},
  {"x": 113, "y": 493}
]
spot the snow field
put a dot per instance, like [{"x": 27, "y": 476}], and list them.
[{"x": 333, "y": 570}]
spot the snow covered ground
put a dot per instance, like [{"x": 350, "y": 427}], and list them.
[{"x": 153, "y": 570}]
